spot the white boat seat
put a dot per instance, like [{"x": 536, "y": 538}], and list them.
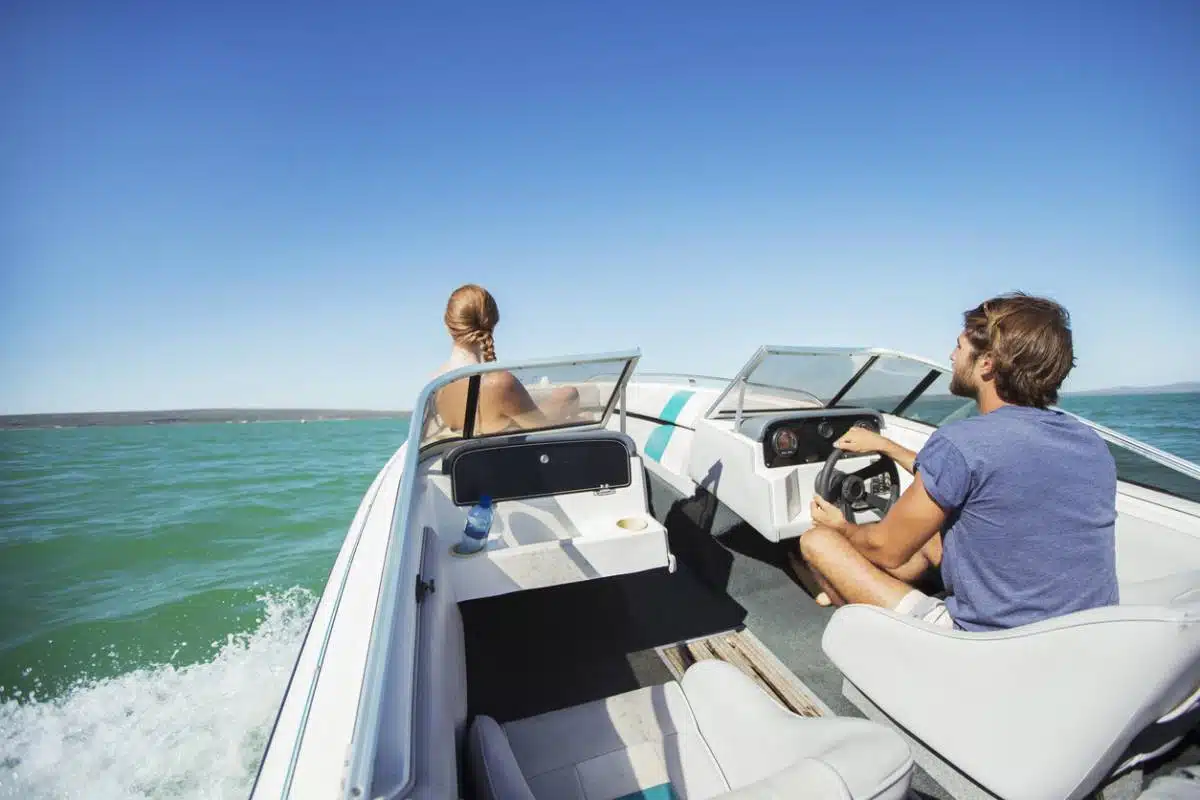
[
  {"x": 1048, "y": 710},
  {"x": 715, "y": 734}
]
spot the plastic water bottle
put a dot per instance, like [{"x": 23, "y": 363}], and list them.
[{"x": 479, "y": 525}]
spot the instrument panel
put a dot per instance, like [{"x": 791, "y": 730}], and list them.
[{"x": 807, "y": 437}]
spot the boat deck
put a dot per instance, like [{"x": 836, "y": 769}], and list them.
[{"x": 733, "y": 597}]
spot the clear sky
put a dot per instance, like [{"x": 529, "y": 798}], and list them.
[{"x": 253, "y": 204}]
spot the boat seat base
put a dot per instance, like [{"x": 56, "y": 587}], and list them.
[{"x": 715, "y": 734}]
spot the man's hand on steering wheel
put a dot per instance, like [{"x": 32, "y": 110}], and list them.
[
  {"x": 873, "y": 487},
  {"x": 826, "y": 513},
  {"x": 861, "y": 440}
]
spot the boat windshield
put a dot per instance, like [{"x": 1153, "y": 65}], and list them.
[
  {"x": 786, "y": 379},
  {"x": 493, "y": 399}
]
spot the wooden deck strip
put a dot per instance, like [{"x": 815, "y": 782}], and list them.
[{"x": 742, "y": 649}]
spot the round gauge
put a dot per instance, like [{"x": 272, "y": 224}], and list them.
[
  {"x": 785, "y": 442},
  {"x": 825, "y": 430}
]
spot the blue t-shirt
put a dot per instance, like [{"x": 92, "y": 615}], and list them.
[{"x": 1030, "y": 502}]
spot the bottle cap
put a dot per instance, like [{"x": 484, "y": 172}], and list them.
[{"x": 485, "y": 500}]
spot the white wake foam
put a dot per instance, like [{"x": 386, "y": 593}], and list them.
[{"x": 164, "y": 732}]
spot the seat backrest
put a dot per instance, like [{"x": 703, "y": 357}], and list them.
[
  {"x": 1167, "y": 645},
  {"x": 1044, "y": 710},
  {"x": 1179, "y": 591},
  {"x": 493, "y": 770}
]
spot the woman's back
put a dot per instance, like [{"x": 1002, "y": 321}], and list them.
[{"x": 504, "y": 402}]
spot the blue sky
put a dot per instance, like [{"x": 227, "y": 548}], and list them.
[{"x": 246, "y": 204}]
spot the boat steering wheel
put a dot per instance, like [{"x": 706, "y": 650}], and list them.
[{"x": 861, "y": 490}]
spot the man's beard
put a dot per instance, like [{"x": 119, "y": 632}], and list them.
[{"x": 962, "y": 386}]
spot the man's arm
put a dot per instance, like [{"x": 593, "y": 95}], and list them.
[
  {"x": 862, "y": 440},
  {"x": 900, "y": 454},
  {"x": 892, "y": 541}
]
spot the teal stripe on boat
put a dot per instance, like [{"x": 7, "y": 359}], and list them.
[
  {"x": 660, "y": 437},
  {"x": 664, "y": 791},
  {"x": 671, "y": 410}
]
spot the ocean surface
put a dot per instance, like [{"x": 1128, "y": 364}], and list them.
[{"x": 156, "y": 581}]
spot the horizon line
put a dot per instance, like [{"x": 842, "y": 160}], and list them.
[
  {"x": 396, "y": 411},
  {"x": 209, "y": 410}
]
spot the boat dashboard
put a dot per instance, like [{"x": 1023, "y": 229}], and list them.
[
  {"x": 765, "y": 467},
  {"x": 793, "y": 438}
]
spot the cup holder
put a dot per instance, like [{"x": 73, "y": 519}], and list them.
[{"x": 632, "y": 523}]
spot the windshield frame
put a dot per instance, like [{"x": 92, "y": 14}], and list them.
[
  {"x": 475, "y": 373},
  {"x": 741, "y": 380}
]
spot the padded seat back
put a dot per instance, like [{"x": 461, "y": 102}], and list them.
[
  {"x": 715, "y": 735},
  {"x": 1044, "y": 710}
]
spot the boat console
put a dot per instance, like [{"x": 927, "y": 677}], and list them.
[
  {"x": 767, "y": 467},
  {"x": 568, "y": 506}
]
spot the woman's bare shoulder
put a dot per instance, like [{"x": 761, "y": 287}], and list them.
[{"x": 501, "y": 380}]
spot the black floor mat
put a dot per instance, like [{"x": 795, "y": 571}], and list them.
[{"x": 545, "y": 649}]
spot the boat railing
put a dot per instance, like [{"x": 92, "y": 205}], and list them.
[
  {"x": 707, "y": 381},
  {"x": 1139, "y": 447}
]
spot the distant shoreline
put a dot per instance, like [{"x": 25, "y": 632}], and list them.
[
  {"x": 1190, "y": 387},
  {"x": 239, "y": 415},
  {"x": 190, "y": 416}
]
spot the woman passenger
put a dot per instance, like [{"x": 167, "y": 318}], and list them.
[{"x": 504, "y": 403}]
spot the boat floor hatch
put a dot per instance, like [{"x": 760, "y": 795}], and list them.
[{"x": 743, "y": 650}]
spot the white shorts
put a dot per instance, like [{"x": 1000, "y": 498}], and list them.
[{"x": 930, "y": 609}]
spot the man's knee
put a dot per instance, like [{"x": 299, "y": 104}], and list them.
[{"x": 816, "y": 542}]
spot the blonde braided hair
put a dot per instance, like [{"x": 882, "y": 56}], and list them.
[
  {"x": 484, "y": 341},
  {"x": 471, "y": 316}
]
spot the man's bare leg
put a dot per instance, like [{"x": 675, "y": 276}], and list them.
[
  {"x": 828, "y": 595},
  {"x": 927, "y": 558},
  {"x": 807, "y": 577},
  {"x": 846, "y": 574}
]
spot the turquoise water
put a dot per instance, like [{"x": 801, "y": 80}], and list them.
[
  {"x": 155, "y": 584},
  {"x": 1170, "y": 422}
]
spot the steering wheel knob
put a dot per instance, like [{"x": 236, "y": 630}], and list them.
[{"x": 852, "y": 488}]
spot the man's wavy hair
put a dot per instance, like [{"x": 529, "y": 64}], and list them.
[{"x": 1029, "y": 339}]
